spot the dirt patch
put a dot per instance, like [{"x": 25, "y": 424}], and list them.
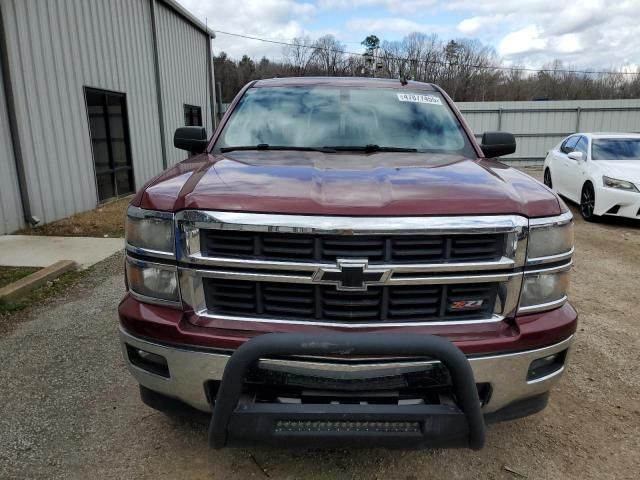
[
  {"x": 9, "y": 275},
  {"x": 105, "y": 221},
  {"x": 56, "y": 289}
]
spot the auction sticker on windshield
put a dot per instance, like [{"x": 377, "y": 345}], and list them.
[{"x": 416, "y": 98}]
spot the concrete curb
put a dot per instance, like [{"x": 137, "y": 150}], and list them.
[{"x": 19, "y": 289}]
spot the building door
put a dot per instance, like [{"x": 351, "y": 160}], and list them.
[{"x": 109, "y": 130}]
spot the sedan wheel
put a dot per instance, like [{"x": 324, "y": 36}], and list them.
[
  {"x": 547, "y": 178},
  {"x": 588, "y": 202}
]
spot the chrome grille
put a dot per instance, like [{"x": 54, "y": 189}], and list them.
[
  {"x": 350, "y": 272},
  {"x": 377, "y": 249},
  {"x": 406, "y": 303}
]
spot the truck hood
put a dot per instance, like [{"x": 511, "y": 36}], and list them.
[{"x": 316, "y": 183}]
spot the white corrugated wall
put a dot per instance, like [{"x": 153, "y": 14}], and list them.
[
  {"x": 538, "y": 126},
  {"x": 56, "y": 48},
  {"x": 182, "y": 52},
  {"x": 10, "y": 210}
]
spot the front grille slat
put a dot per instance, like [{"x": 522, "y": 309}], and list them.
[
  {"x": 288, "y": 309},
  {"x": 363, "y": 302},
  {"x": 341, "y": 314},
  {"x": 411, "y": 303},
  {"x": 411, "y": 312}
]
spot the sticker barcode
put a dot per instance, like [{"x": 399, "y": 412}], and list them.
[{"x": 419, "y": 98}]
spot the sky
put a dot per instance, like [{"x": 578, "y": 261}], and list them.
[{"x": 589, "y": 34}]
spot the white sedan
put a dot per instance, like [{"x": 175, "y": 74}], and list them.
[{"x": 599, "y": 171}]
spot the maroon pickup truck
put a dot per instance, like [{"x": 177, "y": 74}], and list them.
[{"x": 342, "y": 264}]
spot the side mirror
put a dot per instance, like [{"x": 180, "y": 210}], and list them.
[
  {"x": 497, "y": 144},
  {"x": 191, "y": 139},
  {"x": 577, "y": 156}
]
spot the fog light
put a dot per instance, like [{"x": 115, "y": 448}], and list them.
[
  {"x": 545, "y": 366},
  {"x": 148, "y": 361}
]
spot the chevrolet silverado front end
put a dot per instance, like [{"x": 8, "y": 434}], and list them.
[{"x": 410, "y": 289}]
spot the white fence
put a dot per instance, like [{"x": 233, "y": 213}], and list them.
[{"x": 538, "y": 126}]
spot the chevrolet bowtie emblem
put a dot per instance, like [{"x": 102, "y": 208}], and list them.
[{"x": 351, "y": 275}]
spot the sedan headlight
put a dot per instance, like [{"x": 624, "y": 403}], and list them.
[
  {"x": 150, "y": 232},
  {"x": 153, "y": 281},
  {"x": 619, "y": 184}
]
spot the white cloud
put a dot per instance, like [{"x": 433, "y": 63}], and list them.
[
  {"x": 395, "y": 25},
  {"x": 483, "y": 24},
  {"x": 273, "y": 19},
  {"x": 412, "y": 7},
  {"x": 569, "y": 43},
  {"x": 592, "y": 34},
  {"x": 471, "y": 26},
  {"x": 527, "y": 39}
]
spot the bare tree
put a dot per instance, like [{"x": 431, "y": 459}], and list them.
[
  {"x": 299, "y": 54},
  {"x": 328, "y": 54},
  {"x": 464, "y": 68}
]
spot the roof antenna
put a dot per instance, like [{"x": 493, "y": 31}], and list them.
[{"x": 403, "y": 80}]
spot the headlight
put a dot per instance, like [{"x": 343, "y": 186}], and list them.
[
  {"x": 153, "y": 281},
  {"x": 550, "y": 238},
  {"x": 150, "y": 232},
  {"x": 550, "y": 242},
  {"x": 620, "y": 184},
  {"x": 544, "y": 290}
]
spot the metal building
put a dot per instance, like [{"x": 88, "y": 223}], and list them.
[{"x": 91, "y": 92}]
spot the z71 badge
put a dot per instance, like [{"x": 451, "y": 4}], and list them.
[{"x": 466, "y": 304}]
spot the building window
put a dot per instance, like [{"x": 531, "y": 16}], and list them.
[
  {"x": 192, "y": 116},
  {"x": 109, "y": 129}
]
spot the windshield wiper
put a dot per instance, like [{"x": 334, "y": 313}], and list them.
[
  {"x": 266, "y": 146},
  {"x": 370, "y": 148}
]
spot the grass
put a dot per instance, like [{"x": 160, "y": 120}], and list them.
[
  {"x": 105, "y": 221},
  {"x": 50, "y": 289},
  {"x": 13, "y": 274}
]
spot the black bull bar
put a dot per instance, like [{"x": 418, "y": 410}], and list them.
[{"x": 333, "y": 425}]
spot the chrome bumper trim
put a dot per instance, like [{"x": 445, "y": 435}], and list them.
[
  {"x": 191, "y": 369},
  {"x": 543, "y": 306},
  {"x": 551, "y": 258},
  {"x": 504, "y": 263},
  {"x": 309, "y": 278},
  {"x": 561, "y": 219},
  {"x": 258, "y": 222}
]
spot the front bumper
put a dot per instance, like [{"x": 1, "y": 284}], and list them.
[
  {"x": 191, "y": 369},
  {"x": 627, "y": 203}
]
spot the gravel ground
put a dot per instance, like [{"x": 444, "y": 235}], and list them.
[{"x": 69, "y": 409}]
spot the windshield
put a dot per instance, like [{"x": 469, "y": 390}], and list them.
[
  {"x": 616, "y": 149},
  {"x": 344, "y": 118}
]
